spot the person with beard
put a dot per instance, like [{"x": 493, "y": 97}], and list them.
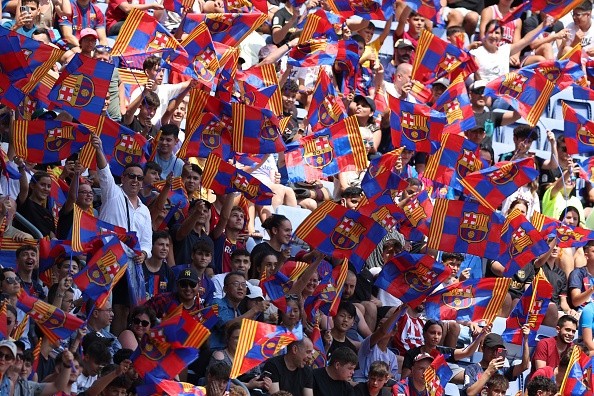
[
  {"x": 549, "y": 351},
  {"x": 403, "y": 50},
  {"x": 291, "y": 372}
]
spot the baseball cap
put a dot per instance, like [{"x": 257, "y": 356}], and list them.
[
  {"x": 403, "y": 43},
  {"x": 188, "y": 274},
  {"x": 367, "y": 100},
  {"x": 10, "y": 345},
  {"x": 477, "y": 85},
  {"x": 255, "y": 292},
  {"x": 423, "y": 356},
  {"x": 88, "y": 32},
  {"x": 493, "y": 340},
  {"x": 443, "y": 81}
]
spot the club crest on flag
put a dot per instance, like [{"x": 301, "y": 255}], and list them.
[
  {"x": 160, "y": 41},
  {"x": 154, "y": 352},
  {"x": 384, "y": 218},
  {"x": 127, "y": 150},
  {"x": 26, "y": 52},
  {"x": 347, "y": 234},
  {"x": 519, "y": 242},
  {"x": 211, "y": 135},
  {"x": 474, "y": 227},
  {"x": 453, "y": 111},
  {"x": 585, "y": 136},
  {"x": 268, "y": 131},
  {"x": 202, "y": 71},
  {"x": 328, "y": 111},
  {"x": 414, "y": 126},
  {"x": 565, "y": 233},
  {"x": 466, "y": 163},
  {"x": 449, "y": 62},
  {"x": 534, "y": 312},
  {"x": 318, "y": 152},
  {"x": 240, "y": 182},
  {"x": 218, "y": 23},
  {"x": 420, "y": 278},
  {"x": 504, "y": 174},
  {"x": 77, "y": 90},
  {"x": 364, "y": 6},
  {"x": 42, "y": 313},
  {"x": 551, "y": 72},
  {"x": 513, "y": 85},
  {"x": 27, "y": 108},
  {"x": 273, "y": 346},
  {"x": 108, "y": 268},
  {"x": 58, "y": 138},
  {"x": 459, "y": 298}
]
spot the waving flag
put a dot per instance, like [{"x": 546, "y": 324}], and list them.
[
  {"x": 260, "y": 341},
  {"x": 246, "y": 6},
  {"x": 530, "y": 310},
  {"x": 87, "y": 228},
  {"x": 79, "y": 94},
  {"x": 332, "y": 150},
  {"x": 180, "y": 330},
  {"x": 174, "y": 388},
  {"x": 326, "y": 296},
  {"x": 587, "y": 169},
  {"x": 320, "y": 24},
  {"x": 574, "y": 381},
  {"x": 411, "y": 278},
  {"x": 555, "y": 9},
  {"x": 319, "y": 355},
  {"x": 578, "y": 131},
  {"x": 455, "y": 104},
  {"x": 48, "y": 141},
  {"x": 317, "y": 52},
  {"x": 179, "y": 6},
  {"x": 55, "y": 324},
  {"x": 156, "y": 361},
  {"x": 211, "y": 135},
  {"x": 437, "y": 375},
  {"x": 465, "y": 227},
  {"x": 563, "y": 73},
  {"x": 264, "y": 76},
  {"x": 474, "y": 299},
  {"x": 9, "y": 95},
  {"x": 9, "y": 248},
  {"x": 570, "y": 236},
  {"x": 366, "y": 9},
  {"x": 12, "y": 60},
  {"x": 223, "y": 178},
  {"x": 383, "y": 210},
  {"x": 340, "y": 232},
  {"x": 105, "y": 268},
  {"x": 9, "y": 168},
  {"x": 380, "y": 175},
  {"x": 492, "y": 185},
  {"x": 50, "y": 251},
  {"x": 326, "y": 107},
  {"x": 521, "y": 241},
  {"x": 229, "y": 29},
  {"x": 277, "y": 285},
  {"x": 427, "y": 9},
  {"x": 418, "y": 211},
  {"x": 255, "y": 130},
  {"x": 456, "y": 158},
  {"x": 516, "y": 13},
  {"x": 415, "y": 126}
]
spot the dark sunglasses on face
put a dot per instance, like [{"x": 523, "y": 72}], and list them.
[
  {"x": 6, "y": 356},
  {"x": 143, "y": 323},
  {"x": 11, "y": 280},
  {"x": 479, "y": 91},
  {"x": 132, "y": 176}
]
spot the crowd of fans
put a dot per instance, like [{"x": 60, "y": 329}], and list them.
[{"x": 214, "y": 253}]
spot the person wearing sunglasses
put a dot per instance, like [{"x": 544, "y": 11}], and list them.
[
  {"x": 141, "y": 320},
  {"x": 580, "y": 29},
  {"x": 121, "y": 206},
  {"x": 185, "y": 295}
]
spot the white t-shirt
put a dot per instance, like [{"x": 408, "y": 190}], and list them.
[
  {"x": 587, "y": 41},
  {"x": 492, "y": 65},
  {"x": 165, "y": 92}
]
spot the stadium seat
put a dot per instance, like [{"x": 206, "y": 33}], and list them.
[
  {"x": 295, "y": 215},
  {"x": 102, "y": 6},
  {"x": 582, "y": 107},
  {"x": 452, "y": 390},
  {"x": 301, "y": 113}
]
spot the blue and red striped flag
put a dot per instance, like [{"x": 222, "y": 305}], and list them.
[
  {"x": 465, "y": 227},
  {"x": 320, "y": 24},
  {"x": 427, "y": 9},
  {"x": 55, "y": 324},
  {"x": 260, "y": 341},
  {"x": 319, "y": 354},
  {"x": 329, "y": 151},
  {"x": 326, "y": 107},
  {"x": 45, "y": 142},
  {"x": 255, "y": 130},
  {"x": 366, "y": 9},
  {"x": 340, "y": 232},
  {"x": 575, "y": 381},
  {"x": 527, "y": 93},
  {"x": 530, "y": 310},
  {"x": 492, "y": 185},
  {"x": 555, "y": 9},
  {"x": 159, "y": 361},
  {"x": 383, "y": 210},
  {"x": 317, "y": 52},
  {"x": 473, "y": 299},
  {"x": 177, "y": 194},
  {"x": 211, "y": 136},
  {"x": 260, "y": 77},
  {"x": 563, "y": 73},
  {"x": 174, "y": 388},
  {"x": 9, "y": 95},
  {"x": 418, "y": 211},
  {"x": 522, "y": 243},
  {"x": 9, "y": 169},
  {"x": 380, "y": 175},
  {"x": 415, "y": 126},
  {"x": 455, "y": 104},
  {"x": 578, "y": 131},
  {"x": 142, "y": 33},
  {"x": 412, "y": 277},
  {"x": 104, "y": 269},
  {"x": 179, "y": 6},
  {"x": 278, "y": 284},
  {"x": 437, "y": 375},
  {"x": 82, "y": 88},
  {"x": 229, "y": 29},
  {"x": 326, "y": 297},
  {"x": 570, "y": 236},
  {"x": 456, "y": 158},
  {"x": 223, "y": 178}
]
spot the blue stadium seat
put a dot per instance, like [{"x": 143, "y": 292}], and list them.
[
  {"x": 452, "y": 390},
  {"x": 551, "y": 124},
  {"x": 582, "y": 107},
  {"x": 102, "y": 6}
]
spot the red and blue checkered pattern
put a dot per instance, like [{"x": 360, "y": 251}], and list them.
[
  {"x": 578, "y": 131},
  {"x": 455, "y": 104},
  {"x": 326, "y": 107},
  {"x": 229, "y": 29},
  {"x": 366, "y": 9}
]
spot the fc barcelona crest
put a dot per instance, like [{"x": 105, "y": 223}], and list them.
[
  {"x": 364, "y": 6},
  {"x": 211, "y": 135},
  {"x": 273, "y": 346},
  {"x": 241, "y": 183},
  {"x": 519, "y": 242},
  {"x": 58, "y": 138},
  {"x": 347, "y": 234},
  {"x": 585, "y": 136},
  {"x": 327, "y": 114},
  {"x": 383, "y": 217},
  {"x": 474, "y": 227},
  {"x": 268, "y": 131},
  {"x": 505, "y": 174},
  {"x": 127, "y": 150},
  {"x": 218, "y": 23},
  {"x": 420, "y": 279},
  {"x": 551, "y": 73},
  {"x": 459, "y": 298},
  {"x": 414, "y": 126},
  {"x": 153, "y": 352},
  {"x": 42, "y": 313},
  {"x": 108, "y": 267},
  {"x": 513, "y": 85},
  {"x": 318, "y": 152},
  {"x": 76, "y": 90},
  {"x": 466, "y": 163}
]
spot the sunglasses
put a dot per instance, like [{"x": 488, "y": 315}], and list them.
[
  {"x": 143, "y": 323},
  {"x": 6, "y": 356},
  {"x": 479, "y": 91},
  {"x": 132, "y": 176},
  {"x": 11, "y": 280},
  {"x": 186, "y": 284},
  {"x": 103, "y": 48}
]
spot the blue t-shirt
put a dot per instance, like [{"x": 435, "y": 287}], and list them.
[
  {"x": 580, "y": 279},
  {"x": 586, "y": 319}
]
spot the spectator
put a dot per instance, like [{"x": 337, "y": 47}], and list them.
[
  {"x": 580, "y": 30},
  {"x": 549, "y": 351},
  {"x": 147, "y": 105},
  {"x": 169, "y": 163},
  {"x": 32, "y": 200},
  {"x": 117, "y": 10},
  {"x": 141, "y": 320},
  {"x": 291, "y": 372},
  {"x": 541, "y": 386},
  {"x": 379, "y": 375},
  {"x": 280, "y": 232},
  {"x": 84, "y": 15},
  {"x": 164, "y": 304},
  {"x": 334, "y": 378},
  {"x": 192, "y": 230},
  {"x": 240, "y": 262},
  {"x": 415, "y": 384},
  {"x": 27, "y": 264},
  {"x": 158, "y": 275}
]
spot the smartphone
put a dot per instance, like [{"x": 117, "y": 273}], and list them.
[
  {"x": 25, "y": 9},
  {"x": 265, "y": 374},
  {"x": 501, "y": 352}
]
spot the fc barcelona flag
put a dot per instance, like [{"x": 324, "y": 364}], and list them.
[
  {"x": 156, "y": 361},
  {"x": 570, "y": 236},
  {"x": 229, "y": 29},
  {"x": 9, "y": 95},
  {"x": 555, "y": 9},
  {"x": 492, "y": 185},
  {"x": 530, "y": 310},
  {"x": 578, "y": 131},
  {"x": 326, "y": 297},
  {"x": 255, "y": 130},
  {"x": 263, "y": 76},
  {"x": 319, "y": 24},
  {"x": 587, "y": 169},
  {"x": 415, "y": 126},
  {"x": 455, "y": 104},
  {"x": 277, "y": 285},
  {"x": 456, "y": 158},
  {"x": 437, "y": 375},
  {"x": 411, "y": 278},
  {"x": 8, "y": 252},
  {"x": 13, "y": 63},
  {"x": 380, "y": 175},
  {"x": 55, "y": 324},
  {"x": 179, "y": 6},
  {"x": 427, "y": 9},
  {"x": 326, "y": 107},
  {"x": 575, "y": 379},
  {"x": 521, "y": 242},
  {"x": 528, "y": 94},
  {"x": 105, "y": 268},
  {"x": 474, "y": 299},
  {"x": 418, "y": 211},
  {"x": 88, "y": 228},
  {"x": 180, "y": 330},
  {"x": 246, "y": 6},
  {"x": 223, "y": 178},
  {"x": 45, "y": 142},
  {"x": 211, "y": 136},
  {"x": 563, "y": 73},
  {"x": 366, "y": 9},
  {"x": 317, "y": 52},
  {"x": 465, "y": 227},
  {"x": 174, "y": 388},
  {"x": 383, "y": 210},
  {"x": 340, "y": 232},
  {"x": 141, "y": 33},
  {"x": 260, "y": 341},
  {"x": 82, "y": 88}
]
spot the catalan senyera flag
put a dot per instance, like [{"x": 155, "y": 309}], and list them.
[
  {"x": 104, "y": 269},
  {"x": 143, "y": 33},
  {"x": 222, "y": 178},
  {"x": 326, "y": 107},
  {"x": 260, "y": 341},
  {"x": 329, "y": 151},
  {"x": 82, "y": 88},
  {"x": 455, "y": 104},
  {"x": 530, "y": 310},
  {"x": 528, "y": 93},
  {"x": 56, "y": 324},
  {"x": 456, "y": 158},
  {"x": 340, "y": 232},
  {"x": 521, "y": 243},
  {"x": 415, "y": 126},
  {"x": 473, "y": 299},
  {"x": 492, "y": 185},
  {"x": 320, "y": 24},
  {"x": 43, "y": 142},
  {"x": 211, "y": 135},
  {"x": 465, "y": 227},
  {"x": 412, "y": 277},
  {"x": 437, "y": 375},
  {"x": 229, "y": 29},
  {"x": 574, "y": 381},
  {"x": 578, "y": 131}
]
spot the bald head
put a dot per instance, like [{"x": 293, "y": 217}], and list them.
[{"x": 402, "y": 75}]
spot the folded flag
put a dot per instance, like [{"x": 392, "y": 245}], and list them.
[
  {"x": 473, "y": 299},
  {"x": 578, "y": 131},
  {"x": 555, "y": 9},
  {"x": 437, "y": 375},
  {"x": 340, "y": 232},
  {"x": 223, "y": 178},
  {"x": 412, "y": 277},
  {"x": 465, "y": 227}
]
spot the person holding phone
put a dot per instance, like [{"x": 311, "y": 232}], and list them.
[{"x": 27, "y": 18}]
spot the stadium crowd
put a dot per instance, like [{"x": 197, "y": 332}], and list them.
[{"x": 220, "y": 250}]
